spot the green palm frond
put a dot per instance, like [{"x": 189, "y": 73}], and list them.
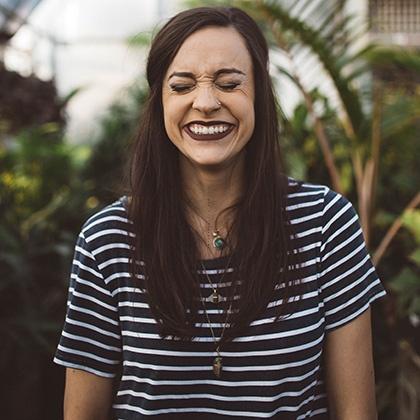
[
  {"x": 319, "y": 34},
  {"x": 320, "y": 46},
  {"x": 402, "y": 58},
  {"x": 140, "y": 40},
  {"x": 399, "y": 116}
]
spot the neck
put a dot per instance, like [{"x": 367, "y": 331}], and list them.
[{"x": 209, "y": 191}]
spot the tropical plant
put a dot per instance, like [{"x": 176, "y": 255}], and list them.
[
  {"x": 38, "y": 214},
  {"x": 104, "y": 170},
  {"x": 406, "y": 284},
  {"x": 48, "y": 189}
]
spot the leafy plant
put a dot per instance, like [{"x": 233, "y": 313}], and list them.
[
  {"x": 48, "y": 189},
  {"x": 104, "y": 170},
  {"x": 406, "y": 284},
  {"x": 38, "y": 217}
]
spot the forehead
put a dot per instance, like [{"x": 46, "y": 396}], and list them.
[{"x": 212, "y": 48}]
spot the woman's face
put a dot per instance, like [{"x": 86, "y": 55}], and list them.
[{"x": 208, "y": 98}]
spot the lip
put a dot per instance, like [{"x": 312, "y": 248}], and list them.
[
  {"x": 208, "y": 137},
  {"x": 208, "y": 123}
]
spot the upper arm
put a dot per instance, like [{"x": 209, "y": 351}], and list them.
[
  {"x": 87, "y": 396},
  {"x": 349, "y": 370},
  {"x": 349, "y": 284}
]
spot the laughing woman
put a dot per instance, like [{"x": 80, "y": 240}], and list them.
[{"x": 218, "y": 288}]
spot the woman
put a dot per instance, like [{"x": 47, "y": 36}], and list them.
[{"x": 220, "y": 288}]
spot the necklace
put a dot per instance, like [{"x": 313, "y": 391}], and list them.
[
  {"x": 217, "y": 362},
  {"x": 215, "y": 297},
  {"x": 218, "y": 241}
]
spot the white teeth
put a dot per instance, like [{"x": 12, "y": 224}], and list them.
[{"x": 213, "y": 129}]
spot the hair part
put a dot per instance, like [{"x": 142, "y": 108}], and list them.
[{"x": 157, "y": 207}]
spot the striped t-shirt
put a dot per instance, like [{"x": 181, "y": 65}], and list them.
[{"x": 274, "y": 370}]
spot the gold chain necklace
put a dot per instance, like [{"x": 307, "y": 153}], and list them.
[
  {"x": 217, "y": 362},
  {"x": 218, "y": 241},
  {"x": 215, "y": 296}
]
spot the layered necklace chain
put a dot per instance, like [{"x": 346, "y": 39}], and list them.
[
  {"x": 215, "y": 298},
  {"x": 219, "y": 244},
  {"x": 218, "y": 241}
]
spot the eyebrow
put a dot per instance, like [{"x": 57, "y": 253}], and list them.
[{"x": 216, "y": 73}]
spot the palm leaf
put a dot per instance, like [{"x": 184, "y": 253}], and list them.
[
  {"x": 402, "y": 58},
  {"x": 317, "y": 43}
]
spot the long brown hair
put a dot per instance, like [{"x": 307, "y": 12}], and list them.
[{"x": 165, "y": 241}]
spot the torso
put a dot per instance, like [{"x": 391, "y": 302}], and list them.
[{"x": 274, "y": 370}]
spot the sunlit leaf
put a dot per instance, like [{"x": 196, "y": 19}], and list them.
[
  {"x": 411, "y": 220},
  {"x": 415, "y": 257}
]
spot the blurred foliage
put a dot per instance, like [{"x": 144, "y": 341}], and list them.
[
  {"x": 142, "y": 39},
  {"x": 39, "y": 214},
  {"x": 406, "y": 284},
  {"x": 48, "y": 189},
  {"x": 27, "y": 101},
  {"x": 105, "y": 169}
]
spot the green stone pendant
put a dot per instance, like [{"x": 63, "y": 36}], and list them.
[{"x": 218, "y": 241}]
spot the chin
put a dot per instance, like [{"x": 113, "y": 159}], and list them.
[
  {"x": 209, "y": 163},
  {"x": 215, "y": 163}
]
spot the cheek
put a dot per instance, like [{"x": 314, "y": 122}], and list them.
[
  {"x": 249, "y": 124},
  {"x": 173, "y": 112},
  {"x": 169, "y": 120},
  {"x": 248, "y": 115}
]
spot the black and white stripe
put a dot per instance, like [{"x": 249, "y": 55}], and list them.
[{"x": 274, "y": 370}]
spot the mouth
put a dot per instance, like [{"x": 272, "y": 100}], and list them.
[{"x": 207, "y": 131}]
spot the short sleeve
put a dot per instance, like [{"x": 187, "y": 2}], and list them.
[
  {"x": 348, "y": 280},
  {"x": 91, "y": 337}
]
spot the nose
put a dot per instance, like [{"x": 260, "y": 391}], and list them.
[{"x": 206, "y": 101}]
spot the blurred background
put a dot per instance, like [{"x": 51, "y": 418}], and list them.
[{"x": 347, "y": 76}]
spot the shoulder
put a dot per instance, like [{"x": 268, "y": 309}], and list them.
[
  {"x": 315, "y": 197},
  {"x": 108, "y": 222},
  {"x": 315, "y": 211},
  {"x": 300, "y": 192}
]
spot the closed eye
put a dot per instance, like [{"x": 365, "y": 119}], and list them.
[
  {"x": 227, "y": 86},
  {"x": 180, "y": 88}
]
